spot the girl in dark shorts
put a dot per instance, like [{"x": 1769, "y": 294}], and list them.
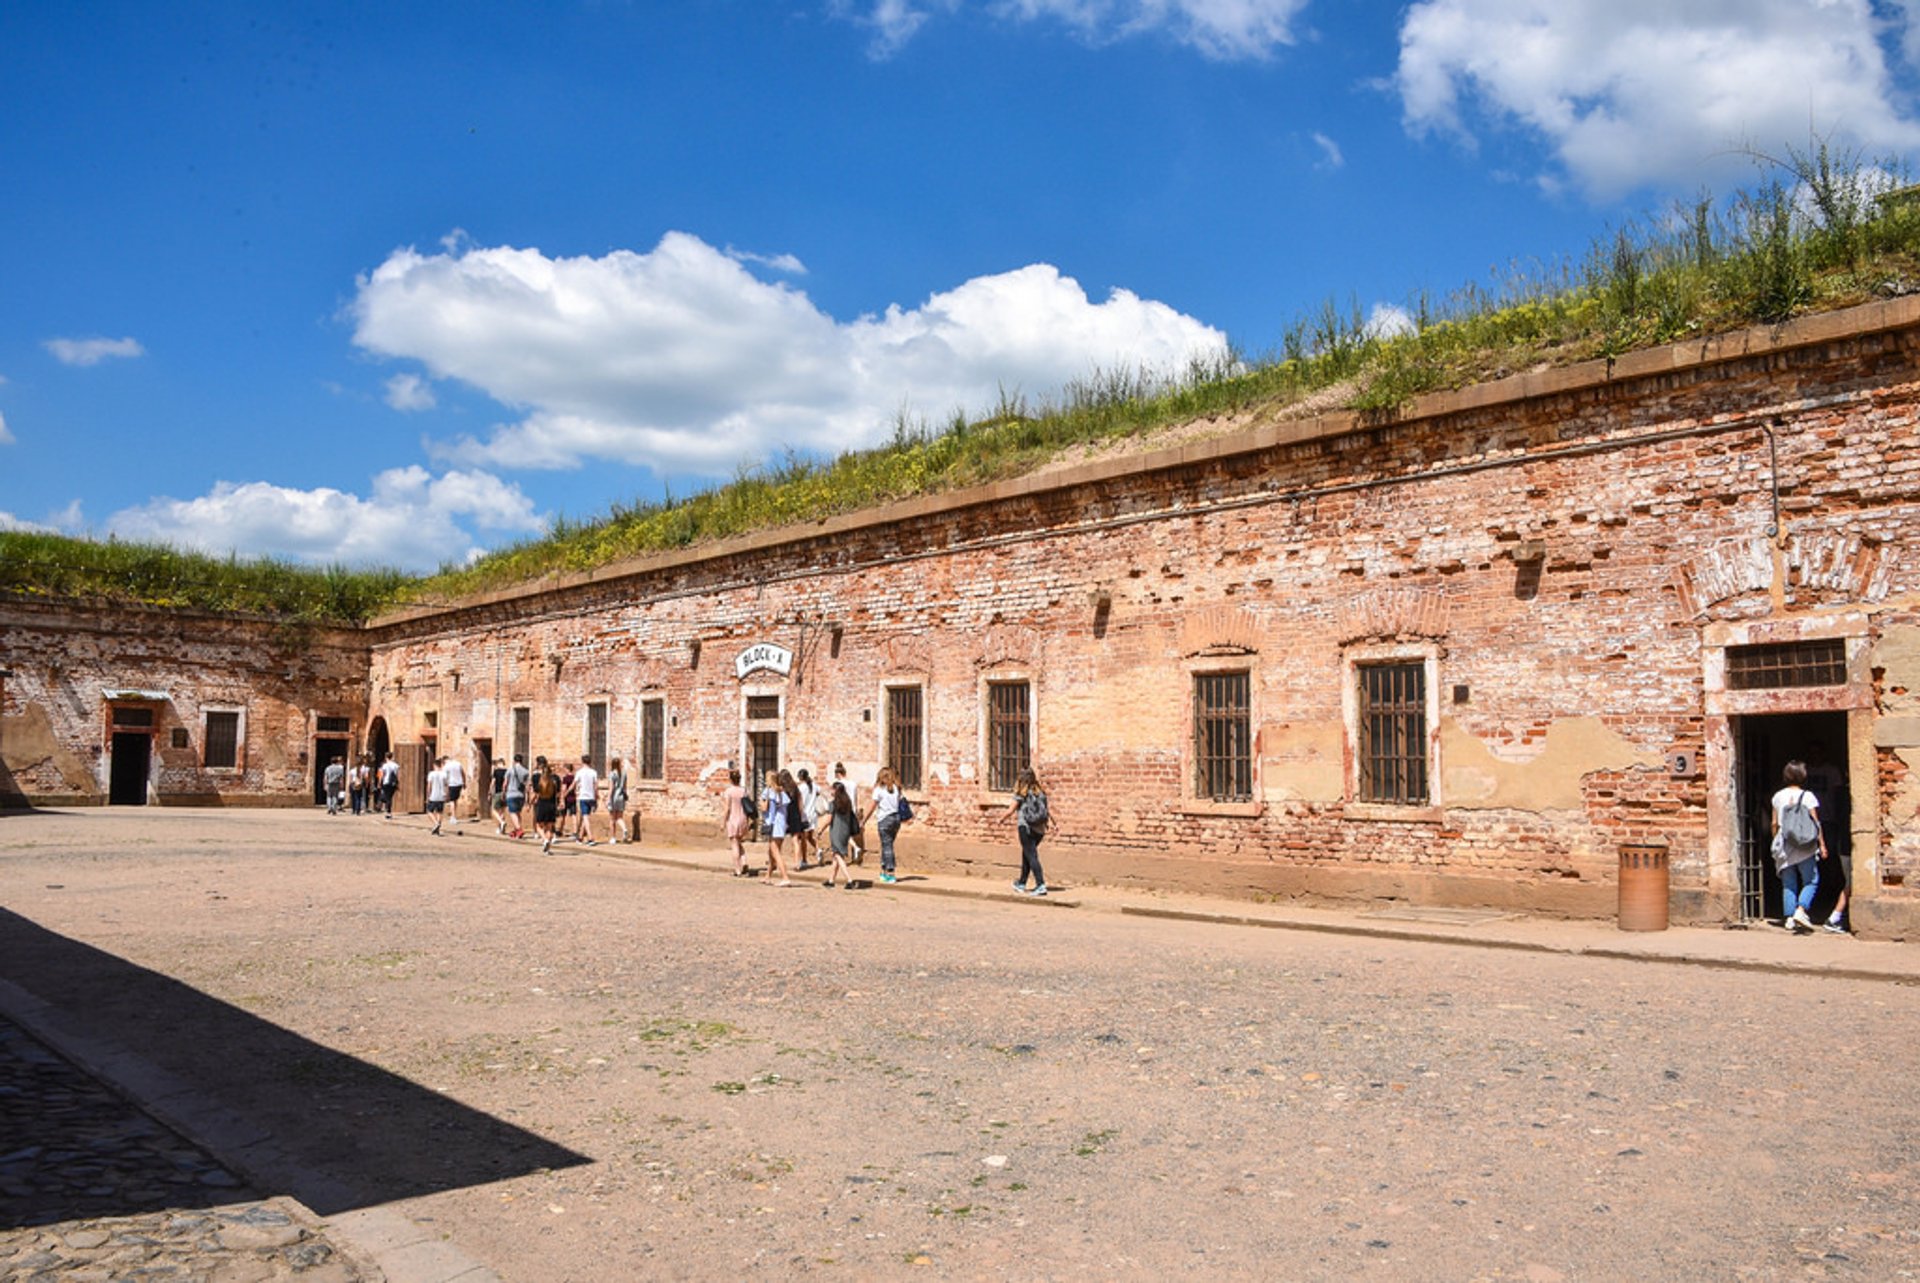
[{"x": 546, "y": 802}]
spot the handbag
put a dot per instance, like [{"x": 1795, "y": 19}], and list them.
[{"x": 904, "y": 811}]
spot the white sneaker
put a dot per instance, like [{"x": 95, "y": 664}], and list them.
[{"x": 1801, "y": 922}]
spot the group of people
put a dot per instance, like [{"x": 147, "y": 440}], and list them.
[
  {"x": 827, "y": 824},
  {"x": 560, "y": 798},
  {"x": 367, "y": 786}
]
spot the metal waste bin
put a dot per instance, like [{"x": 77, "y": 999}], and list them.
[{"x": 1643, "y": 886}]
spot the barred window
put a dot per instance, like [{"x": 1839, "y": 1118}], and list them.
[
  {"x": 1223, "y": 736},
  {"x": 905, "y": 723},
  {"x": 1822, "y": 662},
  {"x": 653, "y": 739},
  {"x": 223, "y": 740},
  {"x": 1393, "y": 733},
  {"x": 523, "y": 733},
  {"x": 123, "y": 716},
  {"x": 763, "y": 708},
  {"x": 597, "y": 735},
  {"x": 1009, "y": 734},
  {"x": 332, "y": 725}
]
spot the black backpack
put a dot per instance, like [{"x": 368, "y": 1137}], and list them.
[
  {"x": 1033, "y": 812},
  {"x": 747, "y": 807}
]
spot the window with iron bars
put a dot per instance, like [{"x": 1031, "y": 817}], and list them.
[
  {"x": 1393, "y": 733},
  {"x": 653, "y": 739},
  {"x": 222, "y": 740},
  {"x": 1776, "y": 665},
  {"x": 905, "y": 723},
  {"x": 332, "y": 725},
  {"x": 763, "y": 708},
  {"x": 1223, "y": 736},
  {"x": 597, "y": 736},
  {"x": 1009, "y": 734}
]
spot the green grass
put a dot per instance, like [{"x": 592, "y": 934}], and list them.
[{"x": 1810, "y": 237}]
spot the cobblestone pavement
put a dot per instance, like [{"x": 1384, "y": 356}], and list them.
[{"x": 93, "y": 1189}]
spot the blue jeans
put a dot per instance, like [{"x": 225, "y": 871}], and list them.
[
  {"x": 1799, "y": 883},
  {"x": 1030, "y": 858},
  {"x": 889, "y": 829}
]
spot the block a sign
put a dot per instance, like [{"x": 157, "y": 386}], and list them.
[{"x": 763, "y": 655}]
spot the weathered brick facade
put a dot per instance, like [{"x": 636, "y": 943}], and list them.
[
  {"x": 1556, "y": 566},
  {"x": 87, "y": 680}
]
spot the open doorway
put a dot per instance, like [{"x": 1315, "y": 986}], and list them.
[
  {"x": 325, "y": 750},
  {"x": 127, "y": 772},
  {"x": 1763, "y": 745}
]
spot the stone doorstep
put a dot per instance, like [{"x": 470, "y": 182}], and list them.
[{"x": 382, "y": 1243}]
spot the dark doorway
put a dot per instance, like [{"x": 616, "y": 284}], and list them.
[
  {"x": 377, "y": 742},
  {"x": 127, "y": 774},
  {"x": 324, "y": 751},
  {"x": 1763, "y": 745},
  {"x": 483, "y": 774}
]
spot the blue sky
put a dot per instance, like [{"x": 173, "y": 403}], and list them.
[{"x": 392, "y": 284}]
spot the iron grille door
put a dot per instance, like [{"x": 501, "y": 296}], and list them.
[
  {"x": 1393, "y": 733},
  {"x": 523, "y": 733},
  {"x": 597, "y": 735},
  {"x": 1223, "y": 736},
  {"x": 653, "y": 739}
]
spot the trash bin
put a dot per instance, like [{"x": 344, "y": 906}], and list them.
[{"x": 1643, "y": 886}]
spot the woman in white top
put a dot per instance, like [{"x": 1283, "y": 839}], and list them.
[
  {"x": 1798, "y": 864},
  {"x": 884, "y": 809}
]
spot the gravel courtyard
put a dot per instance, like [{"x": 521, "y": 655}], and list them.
[{"x": 582, "y": 1067}]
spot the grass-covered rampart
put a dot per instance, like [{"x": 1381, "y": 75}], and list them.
[{"x": 1821, "y": 236}]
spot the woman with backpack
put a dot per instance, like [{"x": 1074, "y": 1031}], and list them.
[
  {"x": 547, "y": 788},
  {"x": 1033, "y": 817},
  {"x": 884, "y": 808},
  {"x": 1798, "y": 847},
  {"x": 735, "y": 821}
]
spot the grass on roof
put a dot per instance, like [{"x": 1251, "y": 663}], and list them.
[{"x": 1824, "y": 233}]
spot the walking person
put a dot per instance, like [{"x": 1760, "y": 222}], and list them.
[
  {"x": 516, "y": 791},
  {"x": 357, "y": 777},
  {"x": 437, "y": 792},
  {"x": 568, "y": 799},
  {"x": 734, "y": 820},
  {"x": 456, "y": 785},
  {"x": 1799, "y": 845},
  {"x": 773, "y": 810},
  {"x": 586, "y": 795},
  {"x": 884, "y": 809},
  {"x": 1033, "y": 818},
  {"x": 547, "y": 789},
  {"x": 803, "y": 831},
  {"x": 389, "y": 784},
  {"x": 334, "y": 781},
  {"x": 857, "y": 843},
  {"x": 616, "y": 798},
  {"x": 497, "y": 796},
  {"x": 841, "y": 824}
]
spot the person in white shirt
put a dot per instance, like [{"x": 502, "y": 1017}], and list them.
[
  {"x": 437, "y": 792},
  {"x": 456, "y": 781},
  {"x": 586, "y": 792}
]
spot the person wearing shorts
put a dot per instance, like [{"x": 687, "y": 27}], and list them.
[
  {"x": 516, "y": 790},
  {"x": 586, "y": 796},
  {"x": 546, "y": 802},
  {"x": 389, "y": 778},
  {"x": 497, "y": 795},
  {"x": 437, "y": 792},
  {"x": 456, "y": 784},
  {"x": 616, "y": 798}
]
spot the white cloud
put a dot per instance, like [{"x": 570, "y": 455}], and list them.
[
  {"x": 409, "y": 392},
  {"x": 1222, "y": 29},
  {"x": 788, "y": 263},
  {"x": 1386, "y": 321},
  {"x": 412, "y": 519},
  {"x": 1633, "y": 92},
  {"x": 1332, "y": 157},
  {"x": 682, "y": 360},
  {"x": 92, "y": 351},
  {"x": 67, "y": 520},
  {"x": 6, "y": 437}
]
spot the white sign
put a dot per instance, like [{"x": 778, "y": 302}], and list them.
[{"x": 768, "y": 655}]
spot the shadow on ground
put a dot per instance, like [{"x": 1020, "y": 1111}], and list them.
[{"x": 297, "y": 1117}]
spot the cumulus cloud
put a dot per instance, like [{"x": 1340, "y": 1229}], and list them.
[
  {"x": 67, "y": 520},
  {"x": 413, "y": 519},
  {"x": 409, "y": 392},
  {"x": 1387, "y": 321},
  {"x": 92, "y": 351},
  {"x": 681, "y": 359},
  {"x": 1222, "y": 29},
  {"x": 1627, "y": 93}
]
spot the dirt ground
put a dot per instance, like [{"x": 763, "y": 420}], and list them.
[{"x": 580, "y": 1067}]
